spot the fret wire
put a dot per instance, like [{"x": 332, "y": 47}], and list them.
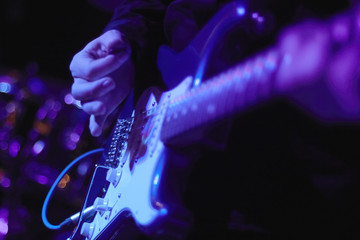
[{"x": 233, "y": 82}]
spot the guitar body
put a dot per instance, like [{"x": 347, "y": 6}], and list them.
[{"x": 148, "y": 189}]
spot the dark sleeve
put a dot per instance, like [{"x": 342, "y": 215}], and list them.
[
  {"x": 141, "y": 22},
  {"x": 136, "y": 18}
]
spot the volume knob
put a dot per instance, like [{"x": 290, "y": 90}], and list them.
[
  {"x": 113, "y": 176},
  {"x": 87, "y": 230},
  {"x": 101, "y": 204}
]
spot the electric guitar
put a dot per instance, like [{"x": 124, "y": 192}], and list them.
[{"x": 139, "y": 176}]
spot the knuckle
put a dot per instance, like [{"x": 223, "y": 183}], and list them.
[{"x": 114, "y": 33}]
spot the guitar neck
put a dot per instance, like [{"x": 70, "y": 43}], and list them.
[{"x": 237, "y": 89}]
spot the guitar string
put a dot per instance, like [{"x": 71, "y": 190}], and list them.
[{"x": 264, "y": 63}]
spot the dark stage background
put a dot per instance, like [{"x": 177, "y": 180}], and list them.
[{"x": 41, "y": 129}]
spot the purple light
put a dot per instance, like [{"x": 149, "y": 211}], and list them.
[
  {"x": 68, "y": 99},
  {"x": 41, "y": 114},
  {"x": 5, "y": 84},
  {"x": 5, "y": 182},
  {"x": 41, "y": 179},
  {"x": 341, "y": 30},
  {"x": 14, "y": 148},
  {"x": 257, "y": 17},
  {"x": 260, "y": 19},
  {"x": 5, "y": 87},
  {"x": 4, "y": 135},
  {"x": 70, "y": 145},
  {"x": 4, "y": 145},
  {"x": 241, "y": 11},
  {"x": 4, "y": 228},
  {"x": 10, "y": 107},
  {"x": 52, "y": 114},
  {"x": 83, "y": 168},
  {"x": 36, "y": 86},
  {"x": 74, "y": 137},
  {"x": 57, "y": 106},
  {"x": 38, "y": 147}
]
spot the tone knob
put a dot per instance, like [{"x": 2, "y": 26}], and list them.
[
  {"x": 113, "y": 176},
  {"x": 101, "y": 204},
  {"x": 87, "y": 230}
]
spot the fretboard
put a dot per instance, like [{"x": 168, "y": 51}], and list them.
[{"x": 224, "y": 95}]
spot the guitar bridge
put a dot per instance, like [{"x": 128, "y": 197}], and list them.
[{"x": 118, "y": 143}]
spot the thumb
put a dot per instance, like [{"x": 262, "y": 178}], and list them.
[
  {"x": 113, "y": 40},
  {"x": 96, "y": 124}
]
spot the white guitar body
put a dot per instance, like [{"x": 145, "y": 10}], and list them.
[{"x": 134, "y": 184}]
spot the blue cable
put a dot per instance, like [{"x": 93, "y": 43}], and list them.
[{"x": 49, "y": 195}]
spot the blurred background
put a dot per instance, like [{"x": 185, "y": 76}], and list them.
[{"x": 41, "y": 129}]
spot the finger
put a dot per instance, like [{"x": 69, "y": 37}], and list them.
[
  {"x": 90, "y": 64},
  {"x": 94, "y": 108},
  {"x": 103, "y": 55},
  {"x": 113, "y": 41},
  {"x": 103, "y": 66},
  {"x": 96, "y": 124},
  {"x": 83, "y": 90}
]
